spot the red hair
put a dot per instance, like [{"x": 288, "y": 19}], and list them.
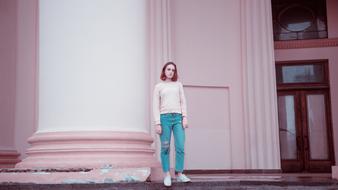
[{"x": 163, "y": 77}]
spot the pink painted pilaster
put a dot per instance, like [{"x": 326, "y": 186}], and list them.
[
  {"x": 335, "y": 172},
  {"x": 26, "y": 74},
  {"x": 8, "y": 59},
  {"x": 8, "y": 158},
  {"x": 160, "y": 53},
  {"x": 259, "y": 87}
]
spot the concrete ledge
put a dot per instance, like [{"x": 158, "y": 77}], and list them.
[
  {"x": 335, "y": 172},
  {"x": 236, "y": 183},
  {"x": 106, "y": 174}
]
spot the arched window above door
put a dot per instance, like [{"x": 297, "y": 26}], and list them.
[{"x": 299, "y": 19}]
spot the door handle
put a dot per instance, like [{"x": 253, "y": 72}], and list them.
[
  {"x": 298, "y": 143},
  {"x": 306, "y": 143}
]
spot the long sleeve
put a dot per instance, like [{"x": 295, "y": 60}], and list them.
[
  {"x": 156, "y": 105},
  {"x": 183, "y": 101}
]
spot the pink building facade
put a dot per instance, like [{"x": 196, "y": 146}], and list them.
[{"x": 77, "y": 78}]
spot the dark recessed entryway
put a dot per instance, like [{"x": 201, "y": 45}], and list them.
[{"x": 304, "y": 112}]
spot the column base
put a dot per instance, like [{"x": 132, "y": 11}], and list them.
[
  {"x": 8, "y": 158},
  {"x": 89, "y": 149}
]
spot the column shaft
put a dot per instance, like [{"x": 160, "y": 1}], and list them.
[
  {"x": 92, "y": 85},
  {"x": 259, "y": 87}
]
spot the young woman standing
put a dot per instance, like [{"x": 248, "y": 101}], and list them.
[{"x": 170, "y": 114}]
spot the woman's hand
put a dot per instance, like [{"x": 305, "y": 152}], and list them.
[
  {"x": 185, "y": 122},
  {"x": 158, "y": 129}
]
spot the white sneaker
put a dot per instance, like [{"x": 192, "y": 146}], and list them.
[
  {"x": 182, "y": 178},
  {"x": 167, "y": 181}
]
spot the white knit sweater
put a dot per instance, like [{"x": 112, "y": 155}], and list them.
[{"x": 168, "y": 97}]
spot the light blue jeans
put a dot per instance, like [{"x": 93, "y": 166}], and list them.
[{"x": 172, "y": 122}]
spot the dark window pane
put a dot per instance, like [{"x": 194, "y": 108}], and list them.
[
  {"x": 300, "y": 73},
  {"x": 299, "y": 19},
  {"x": 296, "y": 18}
]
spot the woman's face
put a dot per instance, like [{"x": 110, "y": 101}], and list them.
[{"x": 169, "y": 71}]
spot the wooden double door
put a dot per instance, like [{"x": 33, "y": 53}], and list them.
[{"x": 305, "y": 130}]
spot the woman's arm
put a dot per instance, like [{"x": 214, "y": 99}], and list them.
[{"x": 183, "y": 101}]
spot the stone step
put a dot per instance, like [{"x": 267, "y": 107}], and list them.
[
  {"x": 195, "y": 185},
  {"x": 279, "y": 181}
]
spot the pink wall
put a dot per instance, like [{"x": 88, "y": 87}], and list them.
[
  {"x": 206, "y": 47},
  {"x": 332, "y": 16},
  {"x": 26, "y": 73},
  {"x": 8, "y": 38}
]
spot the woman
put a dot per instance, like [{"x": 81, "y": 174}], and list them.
[{"x": 170, "y": 114}]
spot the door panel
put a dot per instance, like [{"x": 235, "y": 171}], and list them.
[
  {"x": 319, "y": 147},
  {"x": 305, "y": 131},
  {"x": 288, "y": 128},
  {"x": 289, "y": 132},
  {"x": 317, "y": 127}
]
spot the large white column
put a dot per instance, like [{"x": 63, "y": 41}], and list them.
[
  {"x": 259, "y": 86},
  {"x": 93, "y": 104}
]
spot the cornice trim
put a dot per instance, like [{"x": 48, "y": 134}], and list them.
[{"x": 296, "y": 44}]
